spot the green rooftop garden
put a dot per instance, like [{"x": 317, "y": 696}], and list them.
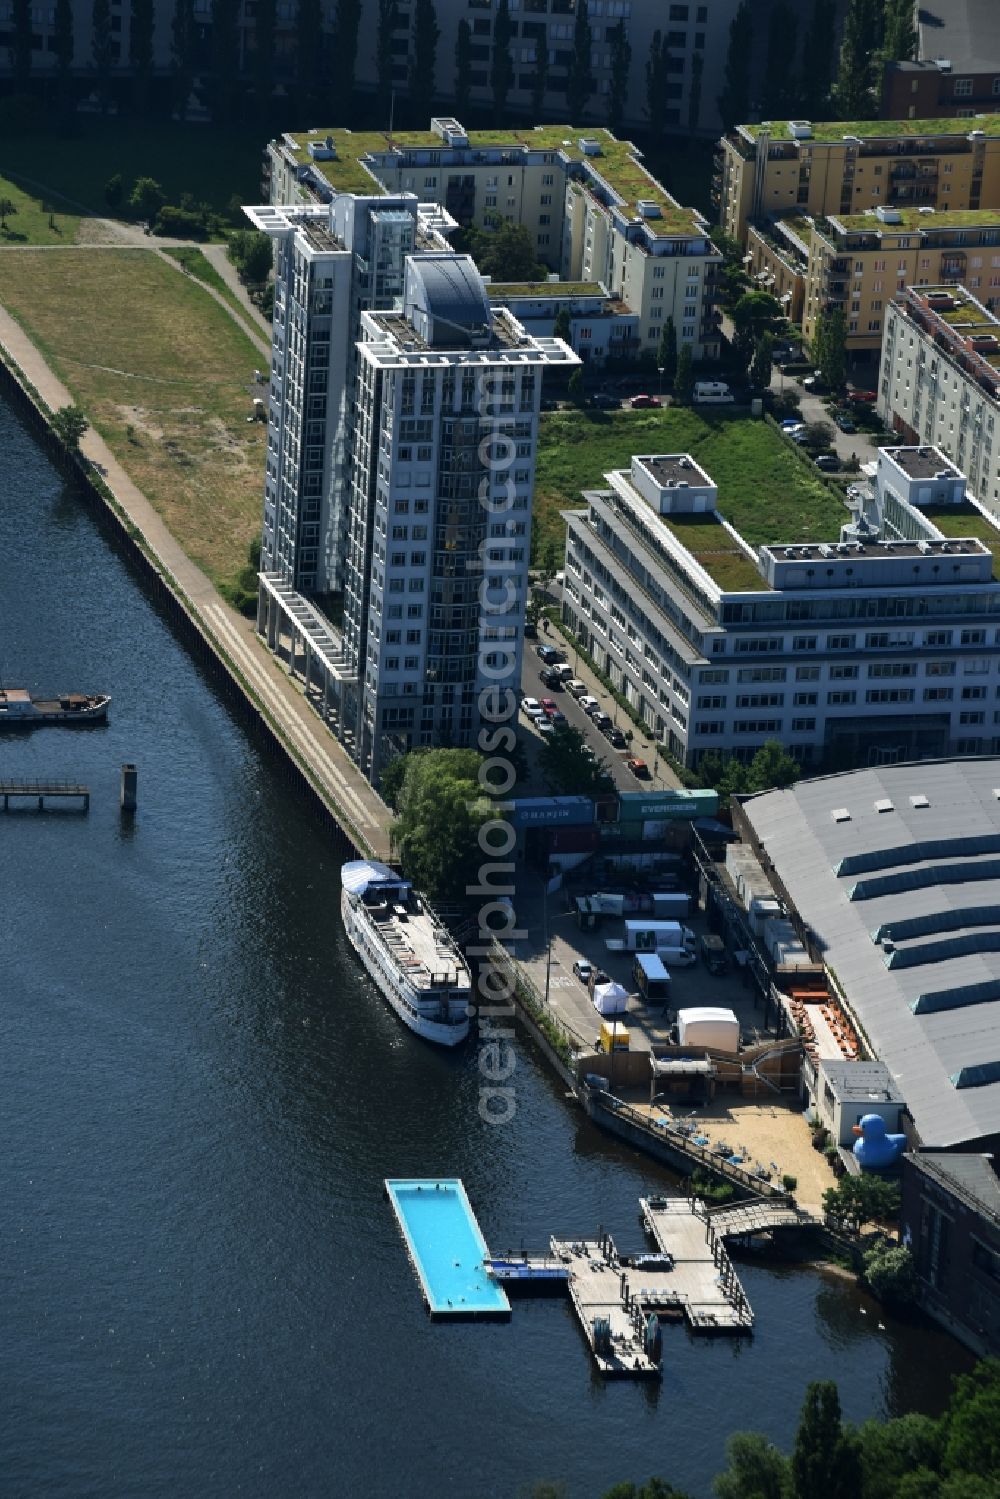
[
  {"x": 912, "y": 218},
  {"x": 768, "y": 492},
  {"x": 835, "y": 130},
  {"x": 966, "y": 520},
  {"x": 715, "y": 550},
  {"x": 503, "y": 290},
  {"x": 617, "y": 163}
]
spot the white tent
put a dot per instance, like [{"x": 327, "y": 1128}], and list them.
[{"x": 610, "y": 999}]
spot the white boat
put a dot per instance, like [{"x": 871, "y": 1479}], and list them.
[{"x": 407, "y": 951}]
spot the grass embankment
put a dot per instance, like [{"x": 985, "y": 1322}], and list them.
[
  {"x": 196, "y": 265},
  {"x": 37, "y": 220},
  {"x": 163, "y": 373},
  {"x": 766, "y": 490}
]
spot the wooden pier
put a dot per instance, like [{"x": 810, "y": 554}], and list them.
[
  {"x": 703, "y": 1282},
  {"x": 42, "y": 791}
]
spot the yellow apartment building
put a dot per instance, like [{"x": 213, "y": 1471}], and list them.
[{"x": 768, "y": 171}]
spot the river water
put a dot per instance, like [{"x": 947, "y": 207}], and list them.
[{"x": 204, "y": 1291}]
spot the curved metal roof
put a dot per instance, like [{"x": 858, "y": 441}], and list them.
[
  {"x": 450, "y": 290},
  {"x": 357, "y": 875}
]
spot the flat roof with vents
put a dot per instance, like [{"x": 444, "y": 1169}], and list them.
[{"x": 906, "y": 909}]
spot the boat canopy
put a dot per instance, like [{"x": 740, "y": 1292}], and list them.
[{"x": 360, "y": 875}]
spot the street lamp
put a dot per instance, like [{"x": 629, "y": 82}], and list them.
[{"x": 659, "y": 370}]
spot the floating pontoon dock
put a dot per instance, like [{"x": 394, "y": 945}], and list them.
[{"x": 446, "y": 1248}]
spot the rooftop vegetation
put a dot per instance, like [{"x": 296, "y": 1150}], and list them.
[
  {"x": 767, "y": 490},
  {"x": 912, "y": 218},
  {"x": 560, "y": 289},
  {"x": 967, "y": 520},
  {"x": 617, "y": 164},
  {"x": 835, "y": 130},
  {"x": 712, "y": 547}
]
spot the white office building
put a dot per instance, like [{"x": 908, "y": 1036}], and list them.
[
  {"x": 877, "y": 644},
  {"x": 439, "y": 522},
  {"x": 939, "y": 380}
]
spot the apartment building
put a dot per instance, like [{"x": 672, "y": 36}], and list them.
[
  {"x": 594, "y": 213},
  {"x": 875, "y": 644},
  {"x": 696, "y": 37},
  {"x": 332, "y": 262},
  {"x": 939, "y": 380},
  {"x": 859, "y": 262},
  {"x": 797, "y": 167},
  {"x": 600, "y": 326},
  {"x": 439, "y": 524}
]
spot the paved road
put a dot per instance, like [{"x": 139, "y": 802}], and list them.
[{"x": 642, "y": 745}]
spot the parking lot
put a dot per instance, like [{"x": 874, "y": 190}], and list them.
[{"x": 660, "y": 774}]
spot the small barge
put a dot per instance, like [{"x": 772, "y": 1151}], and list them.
[{"x": 20, "y": 710}]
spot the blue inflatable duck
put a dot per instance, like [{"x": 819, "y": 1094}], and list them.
[{"x": 875, "y": 1149}]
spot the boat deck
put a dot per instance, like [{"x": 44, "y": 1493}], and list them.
[{"x": 421, "y": 946}]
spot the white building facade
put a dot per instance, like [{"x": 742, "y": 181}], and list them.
[
  {"x": 879, "y": 645},
  {"x": 939, "y": 380}
]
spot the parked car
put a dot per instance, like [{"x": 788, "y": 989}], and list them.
[
  {"x": 602, "y": 720},
  {"x": 638, "y": 767},
  {"x": 548, "y": 706},
  {"x": 791, "y": 424},
  {"x": 868, "y": 396},
  {"x": 801, "y": 436},
  {"x": 643, "y": 403},
  {"x": 590, "y": 705},
  {"x": 558, "y": 720},
  {"x": 549, "y": 654},
  {"x": 828, "y": 463},
  {"x": 604, "y": 402},
  {"x": 583, "y": 970},
  {"x": 713, "y": 952},
  {"x": 544, "y": 725},
  {"x": 843, "y": 421},
  {"x": 814, "y": 383},
  {"x": 597, "y": 976},
  {"x": 550, "y": 678},
  {"x": 576, "y": 688},
  {"x": 616, "y": 737},
  {"x": 530, "y": 630},
  {"x": 532, "y": 708}
]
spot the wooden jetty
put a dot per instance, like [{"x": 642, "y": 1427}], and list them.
[
  {"x": 41, "y": 791},
  {"x": 702, "y": 1283},
  {"x": 612, "y": 1319}
]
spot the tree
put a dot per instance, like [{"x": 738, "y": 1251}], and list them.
[
  {"x": 694, "y": 96},
  {"x": 309, "y": 51},
  {"x": 756, "y": 310},
  {"x": 817, "y": 436},
  {"x": 387, "y": 17},
  {"x": 892, "y": 1449},
  {"x": 250, "y": 252},
  {"x": 817, "y": 56},
  {"x": 114, "y": 190},
  {"x": 852, "y": 92},
  {"x": 580, "y": 81},
  {"x": 862, "y": 1199},
  {"x": 506, "y": 254},
  {"x": 666, "y": 357},
  {"x": 734, "y": 101},
  {"x": 564, "y": 325},
  {"x": 656, "y": 85},
  {"x": 568, "y": 770},
  {"x": 621, "y": 63},
  {"x": 345, "y": 48},
  {"x": 20, "y": 50},
  {"x": 825, "y": 1459},
  {"x": 100, "y": 28},
  {"x": 899, "y": 35},
  {"x": 762, "y": 362},
  {"x": 830, "y": 347},
  {"x": 69, "y": 424},
  {"x": 140, "y": 49},
  {"x": 889, "y": 1271},
  {"x": 265, "y": 26},
  {"x": 425, "y": 39},
  {"x": 574, "y": 387},
  {"x": 7, "y": 210},
  {"x": 183, "y": 53},
  {"x": 540, "y": 77},
  {"x": 757, "y": 1470},
  {"x": 972, "y": 1422},
  {"x": 63, "y": 43},
  {"x": 463, "y": 68},
  {"x": 772, "y": 766},
  {"x": 684, "y": 378},
  {"x": 225, "y": 56},
  {"x": 502, "y": 63},
  {"x": 146, "y": 198},
  {"x": 778, "y": 91},
  {"x": 441, "y": 807}
]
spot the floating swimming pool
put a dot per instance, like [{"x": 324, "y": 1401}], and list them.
[{"x": 447, "y": 1248}]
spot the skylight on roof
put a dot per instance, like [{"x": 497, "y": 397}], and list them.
[
  {"x": 919, "y": 800},
  {"x": 884, "y": 804},
  {"x": 840, "y": 814},
  {"x": 978, "y": 1076}
]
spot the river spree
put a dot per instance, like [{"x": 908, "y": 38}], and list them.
[{"x": 204, "y": 1291}]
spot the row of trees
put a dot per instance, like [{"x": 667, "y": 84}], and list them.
[
  {"x": 956, "y": 1456},
  {"x": 875, "y": 32}
]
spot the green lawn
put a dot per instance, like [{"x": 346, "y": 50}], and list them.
[
  {"x": 196, "y": 265},
  {"x": 32, "y": 223},
  {"x": 767, "y": 491},
  {"x": 164, "y": 374},
  {"x": 966, "y": 520},
  {"x": 209, "y": 162}
]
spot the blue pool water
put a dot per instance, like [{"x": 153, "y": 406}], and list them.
[{"x": 447, "y": 1247}]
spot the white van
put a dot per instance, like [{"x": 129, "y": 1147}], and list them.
[
  {"x": 712, "y": 393},
  {"x": 563, "y": 671}
]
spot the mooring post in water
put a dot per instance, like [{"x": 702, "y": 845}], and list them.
[{"x": 130, "y": 777}]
